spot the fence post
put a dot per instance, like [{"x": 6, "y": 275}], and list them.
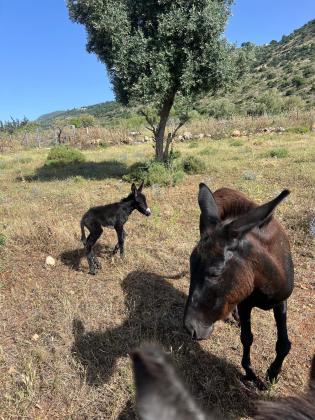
[{"x": 38, "y": 138}]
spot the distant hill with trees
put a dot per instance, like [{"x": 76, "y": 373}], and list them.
[{"x": 274, "y": 78}]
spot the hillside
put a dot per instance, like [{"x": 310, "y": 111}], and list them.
[{"x": 279, "y": 76}]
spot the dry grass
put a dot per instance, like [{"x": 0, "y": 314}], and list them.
[
  {"x": 65, "y": 335},
  {"x": 87, "y": 138}
]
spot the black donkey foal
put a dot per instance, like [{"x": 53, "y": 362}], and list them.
[{"x": 111, "y": 215}]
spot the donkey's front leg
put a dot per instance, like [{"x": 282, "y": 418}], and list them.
[
  {"x": 121, "y": 239},
  {"x": 283, "y": 345},
  {"x": 244, "y": 312}
]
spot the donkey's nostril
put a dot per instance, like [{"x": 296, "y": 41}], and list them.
[
  {"x": 148, "y": 211},
  {"x": 194, "y": 335}
]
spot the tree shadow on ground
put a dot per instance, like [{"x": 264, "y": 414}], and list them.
[
  {"x": 87, "y": 170},
  {"x": 155, "y": 310}
]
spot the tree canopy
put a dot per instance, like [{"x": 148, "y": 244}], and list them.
[{"x": 157, "y": 49}]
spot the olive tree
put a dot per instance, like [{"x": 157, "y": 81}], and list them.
[{"x": 156, "y": 51}]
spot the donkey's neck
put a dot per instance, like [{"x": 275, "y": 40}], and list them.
[{"x": 128, "y": 204}]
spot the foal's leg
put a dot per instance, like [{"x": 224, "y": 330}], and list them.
[
  {"x": 95, "y": 232},
  {"x": 283, "y": 345},
  {"x": 244, "y": 312},
  {"x": 121, "y": 239}
]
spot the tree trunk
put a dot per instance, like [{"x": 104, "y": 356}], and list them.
[{"x": 160, "y": 132}]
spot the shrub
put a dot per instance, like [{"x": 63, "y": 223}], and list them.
[
  {"x": 83, "y": 120},
  {"x": 293, "y": 103},
  {"x": 281, "y": 152},
  {"x": 298, "y": 81},
  {"x": 298, "y": 130},
  {"x": 193, "y": 165},
  {"x": 64, "y": 155},
  {"x": 249, "y": 176},
  {"x": 154, "y": 173},
  {"x": 221, "y": 108}
]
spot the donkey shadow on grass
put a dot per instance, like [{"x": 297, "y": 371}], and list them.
[
  {"x": 87, "y": 170},
  {"x": 155, "y": 310},
  {"x": 73, "y": 258}
]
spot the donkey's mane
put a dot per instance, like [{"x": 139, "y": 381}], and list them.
[{"x": 232, "y": 203}]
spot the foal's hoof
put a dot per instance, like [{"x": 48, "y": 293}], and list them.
[{"x": 97, "y": 264}]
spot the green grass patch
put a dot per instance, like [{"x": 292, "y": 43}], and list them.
[
  {"x": 237, "y": 143},
  {"x": 3, "y": 239},
  {"x": 280, "y": 152},
  {"x": 299, "y": 130},
  {"x": 23, "y": 160},
  {"x": 193, "y": 144},
  {"x": 208, "y": 151}
]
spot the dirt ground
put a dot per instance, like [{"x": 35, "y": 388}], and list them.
[{"x": 66, "y": 335}]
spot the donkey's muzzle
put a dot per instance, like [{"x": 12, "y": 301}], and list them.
[{"x": 196, "y": 329}]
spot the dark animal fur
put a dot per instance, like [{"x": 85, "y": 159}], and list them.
[
  {"x": 243, "y": 259},
  {"x": 160, "y": 394},
  {"x": 111, "y": 215}
]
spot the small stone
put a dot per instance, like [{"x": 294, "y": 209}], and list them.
[
  {"x": 11, "y": 370},
  {"x": 35, "y": 337},
  {"x": 50, "y": 261},
  {"x": 249, "y": 176},
  {"x": 236, "y": 133}
]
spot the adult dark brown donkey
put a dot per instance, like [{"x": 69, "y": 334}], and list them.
[{"x": 243, "y": 259}]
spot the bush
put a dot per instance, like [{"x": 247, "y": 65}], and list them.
[
  {"x": 281, "y": 152},
  {"x": 83, "y": 120},
  {"x": 64, "y": 155},
  {"x": 3, "y": 239},
  {"x": 298, "y": 81},
  {"x": 221, "y": 108},
  {"x": 193, "y": 165},
  {"x": 298, "y": 130},
  {"x": 154, "y": 173},
  {"x": 293, "y": 103}
]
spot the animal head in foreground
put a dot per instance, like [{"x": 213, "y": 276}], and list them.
[{"x": 161, "y": 395}]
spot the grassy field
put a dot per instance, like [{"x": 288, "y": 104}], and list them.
[{"x": 65, "y": 335}]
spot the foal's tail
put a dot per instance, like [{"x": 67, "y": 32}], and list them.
[{"x": 83, "y": 238}]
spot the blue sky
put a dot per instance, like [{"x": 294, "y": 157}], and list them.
[{"x": 45, "y": 67}]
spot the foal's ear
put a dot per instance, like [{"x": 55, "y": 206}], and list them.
[
  {"x": 254, "y": 218},
  {"x": 209, "y": 211},
  {"x": 141, "y": 186},
  {"x": 134, "y": 189}
]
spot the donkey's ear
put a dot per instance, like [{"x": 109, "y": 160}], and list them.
[
  {"x": 209, "y": 211},
  {"x": 254, "y": 218},
  {"x": 141, "y": 186},
  {"x": 159, "y": 392},
  {"x": 134, "y": 188}
]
